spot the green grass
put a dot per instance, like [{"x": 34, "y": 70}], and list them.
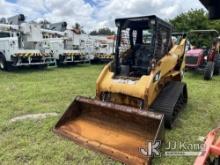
[{"x": 33, "y": 91}]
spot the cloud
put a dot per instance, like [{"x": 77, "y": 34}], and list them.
[
  {"x": 93, "y": 14},
  {"x": 7, "y": 9}
]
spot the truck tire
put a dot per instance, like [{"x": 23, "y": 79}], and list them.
[
  {"x": 4, "y": 65},
  {"x": 209, "y": 70},
  {"x": 2, "y": 62},
  {"x": 217, "y": 65},
  {"x": 43, "y": 66},
  {"x": 60, "y": 61}
]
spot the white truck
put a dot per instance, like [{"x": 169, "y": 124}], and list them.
[
  {"x": 20, "y": 44},
  {"x": 87, "y": 44},
  {"x": 64, "y": 44},
  {"x": 104, "y": 49}
]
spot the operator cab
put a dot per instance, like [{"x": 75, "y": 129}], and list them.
[{"x": 141, "y": 41}]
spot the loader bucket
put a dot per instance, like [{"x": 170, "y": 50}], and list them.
[{"x": 116, "y": 130}]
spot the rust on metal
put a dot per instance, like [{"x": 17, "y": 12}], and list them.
[{"x": 116, "y": 130}]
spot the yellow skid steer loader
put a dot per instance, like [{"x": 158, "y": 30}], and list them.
[{"x": 137, "y": 94}]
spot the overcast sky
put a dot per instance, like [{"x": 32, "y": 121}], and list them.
[{"x": 93, "y": 14}]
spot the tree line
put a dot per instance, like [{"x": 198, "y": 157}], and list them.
[{"x": 196, "y": 20}]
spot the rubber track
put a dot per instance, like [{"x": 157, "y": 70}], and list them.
[{"x": 170, "y": 100}]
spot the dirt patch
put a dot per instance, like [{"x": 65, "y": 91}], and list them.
[{"x": 38, "y": 116}]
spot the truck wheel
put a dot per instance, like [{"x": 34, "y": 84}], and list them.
[
  {"x": 209, "y": 70},
  {"x": 3, "y": 63},
  {"x": 59, "y": 63},
  {"x": 44, "y": 66},
  {"x": 217, "y": 65}
]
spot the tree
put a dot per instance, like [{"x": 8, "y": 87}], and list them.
[
  {"x": 192, "y": 20},
  {"x": 195, "y": 20},
  {"x": 102, "y": 31},
  {"x": 215, "y": 25},
  {"x": 93, "y": 33}
]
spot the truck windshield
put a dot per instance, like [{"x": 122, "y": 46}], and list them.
[{"x": 4, "y": 34}]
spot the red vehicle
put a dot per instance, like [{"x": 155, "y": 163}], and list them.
[
  {"x": 195, "y": 58},
  {"x": 203, "y": 58},
  {"x": 210, "y": 154}
]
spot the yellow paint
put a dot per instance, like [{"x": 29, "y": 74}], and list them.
[
  {"x": 144, "y": 88},
  {"x": 104, "y": 56}
]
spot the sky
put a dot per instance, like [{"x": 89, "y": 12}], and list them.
[{"x": 94, "y": 14}]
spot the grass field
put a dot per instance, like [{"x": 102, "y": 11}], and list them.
[{"x": 38, "y": 91}]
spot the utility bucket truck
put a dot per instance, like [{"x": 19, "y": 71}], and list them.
[
  {"x": 20, "y": 44},
  {"x": 64, "y": 44}
]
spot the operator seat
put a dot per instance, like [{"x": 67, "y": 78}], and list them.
[
  {"x": 141, "y": 55},
  {"x": 136, "y": 61},
  {"x": 141, "y": 58}
]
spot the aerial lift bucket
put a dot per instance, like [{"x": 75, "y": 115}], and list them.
[{"x": 116, "y": 130}]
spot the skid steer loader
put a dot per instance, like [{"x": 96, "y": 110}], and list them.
[{"x": 134, "y": 93}]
